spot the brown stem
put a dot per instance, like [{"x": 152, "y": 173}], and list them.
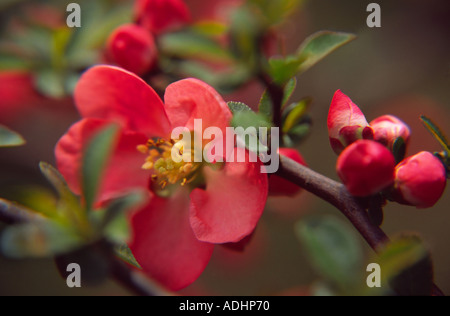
[{"x": 337, "y": 195}]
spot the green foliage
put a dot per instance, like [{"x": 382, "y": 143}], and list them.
[
  {"x": 436, "y": 132},
  {"x": 125, "y": 253},
  {"x": 333, "y": 249},
  {"x": 319, "y": 45},
  {"x": 37, "y": 239},
  {"x": 313, "y": 49},
  {"x": 95, "y": 159},
  {"x": 406, "y": 266},
  {"x": 399, "y": 149},
  {"x": 236, "y": 107},
  {"x": 67, "y": 225},
  {"x": 188, "y": 44},
  {"x": 9, "y": 138},
  {"x": 245, "y": 117}
]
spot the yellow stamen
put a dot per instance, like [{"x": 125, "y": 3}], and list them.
[{"x": 165, "y": 168}]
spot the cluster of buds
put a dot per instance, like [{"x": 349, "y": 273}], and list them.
[
  {"x": 366, "y": 163},
  {"x": 132, "y": 46}
]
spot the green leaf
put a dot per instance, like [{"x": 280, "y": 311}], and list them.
[
  {"x": 406, "y": 265},
  {"x": 114, "y": 222},
  {"x": 125, "y": 253},
  {"x": 17, "y": 213},
  {"x": 37, "y": 239},
  {"x": 319, "y": 45},
  {"x": 294, "y": 113},
  {"x": 94, "y": 161},
  {"x": 436, "y": 132},
  {"x": 289, "y": 89},
  {"x": 8, "y": 138},
  {"x": 50, "y": 83},
  {"x": 265, "y": 104},
  {"x": 283, "y": 69},
  {"x": 236, "y": 107},
  {"x": 249, "y": 120},
  {"x": 191, "y": 45},
  {"x": 244, "y": 36},
  {"x": 333, "y": 249},
  {"x": 399, "y": 149},
  {"x": 276, "y": 11},
  {"x": 70, "y": 200}
]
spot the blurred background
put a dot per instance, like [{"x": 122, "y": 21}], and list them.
[{"x": 402, "y": 68}]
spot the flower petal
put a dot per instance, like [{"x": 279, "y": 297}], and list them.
[
  {"x": 191, "y": 99},
  {"x": 230, "y": 207},
  {"x": 343, "y": 112},
  {"x": 123, "y": 171},
  {"x": 112, "y": 93},
  {"x": 164, "y": 244}
]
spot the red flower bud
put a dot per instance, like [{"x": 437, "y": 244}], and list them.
[
  {"x": 279, "y": 186},
  {"x": 366, "y": 167},
  {"x": 133, "y": 48},
  {"x": 420, "y": 180},
  {"x": 158, "y": 16},
  {"x": 346, "y": 123},
  {"x": 388, "y": 128}
]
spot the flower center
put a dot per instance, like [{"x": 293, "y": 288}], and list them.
[{"x": 171, "y": 162}]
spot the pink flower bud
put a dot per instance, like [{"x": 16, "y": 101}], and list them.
[
  {"x": 420, "y": 180},
  {"x": 346, "y": 123},
  {"x": 366, "y": 167},
  {"x": 388, "y": 128},
  {"x": 159, "y": 16},
  {"x": 133, "y": 48},
  {"x": 279, "y": 186}
]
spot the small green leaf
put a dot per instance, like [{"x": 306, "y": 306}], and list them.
[
  {"x": 37, "y": 239},
  {"x": 319, "y": 45},
  {"x": 236, "y": 107},
  {"x": 406, "y": 265},
  {"x": 332, "y": 247},
  {"x": 50, "y": 83},
  {"x": 8, "y": 138},
  {"x": 283, "y": 69},
  {"x": 289, "y": 89},
  {"x": 125, "y": 253},
  {"x": 265, "y": 104},
  {"x": 399, "y": 149},
  {"x": 294, "y": 113},
  {"x": 436, "y": 132},
  {"x": 114, "y": 222},
  {"x": 191, "y": 45},
  {"x": 94, "y": 161},
  {"x": 250, "y": 122},
  {"x": 68, "y": 200}
]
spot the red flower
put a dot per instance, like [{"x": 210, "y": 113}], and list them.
[
  {"x": 174, "y": 235},
  {"x": 133, "y": 48},
  {"x": 420, "y": 180},
  {"x": 388, "y": 128},
  {"x": 17, "y": 92},
  {"x": 159, "y": 16},
  {"x": 279, "y": 186},
  {"x": 346, "y": 123},
  {"x": 366, "y": 167}
]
